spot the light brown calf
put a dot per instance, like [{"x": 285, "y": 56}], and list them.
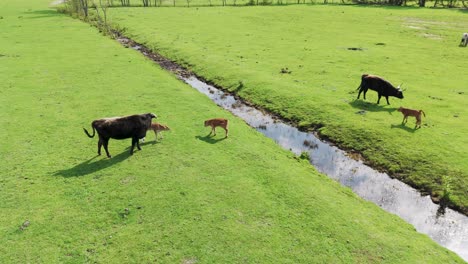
[
  {"x": 157, "y": 128},
  {"x": 410, "y": 112},
  {"x": 217, "y": 122}
]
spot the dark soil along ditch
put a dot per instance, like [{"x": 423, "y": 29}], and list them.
[{"x": 445, "y": 226}]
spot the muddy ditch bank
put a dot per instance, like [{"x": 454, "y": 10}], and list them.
[{"x": 445, "y": 226}]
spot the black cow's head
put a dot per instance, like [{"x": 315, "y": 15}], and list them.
[
  {"x": 399, "y": 92},
  {"x": 151, "y": 115}
]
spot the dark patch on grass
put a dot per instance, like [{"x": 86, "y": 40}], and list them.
[
  {"x": 239, "y": 87},
  {"x": 125, "y": 213},
  {"x": 359, "y": 49},
  {"x": 10, "y": 56},
  {"x": 25, "y": 225},
  {"x": 435, "y": 98}
]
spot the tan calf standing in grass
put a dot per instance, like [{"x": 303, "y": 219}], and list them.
[
  {"x": 410, "y": 112},
  {"x": 217, "y": 122},
  {"x": 157, "y": 127}
]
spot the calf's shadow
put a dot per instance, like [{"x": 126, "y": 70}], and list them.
[
  {"x": 210, "y": 139},
  {"x": 404, "y": 127}
]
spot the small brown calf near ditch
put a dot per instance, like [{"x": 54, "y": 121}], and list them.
[
  {"x": 410, "y": 112},
  {"x": 217, "y": 122}
]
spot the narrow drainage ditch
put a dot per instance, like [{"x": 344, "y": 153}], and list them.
[{"x": 449, "y": 229}]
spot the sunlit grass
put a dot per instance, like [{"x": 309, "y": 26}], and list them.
[{"x": 185, "y": 199}]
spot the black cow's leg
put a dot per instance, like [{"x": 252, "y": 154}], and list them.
[
  {"x": 99, "y": 144},
  {"x": 137, "y": 143},
  {"x": 106, "y": 143},
  {"x": 359, "y": 94},
  {"x": 365, "y": 91},
  {"x": 386, "y": 97},
  {"x": 378, "y": 101},
  {"x": 133, "y": 146}
]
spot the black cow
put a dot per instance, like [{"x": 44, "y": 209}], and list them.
[
  {"x": 381, "y": 86},
  {"x": 133, "y": 126}
]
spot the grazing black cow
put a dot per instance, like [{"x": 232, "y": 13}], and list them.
[
  {"x": 381, "y": 86},
  {"x": 133, "y": 126}
]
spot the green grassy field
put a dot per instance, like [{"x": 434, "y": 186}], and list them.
[
  {"x": 326, "y": 49},
  {"x": 185, "y": 199}
]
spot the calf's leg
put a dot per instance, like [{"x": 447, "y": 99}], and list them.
[{"x": 418, "y": 121}]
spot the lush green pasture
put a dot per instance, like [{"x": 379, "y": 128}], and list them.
[
  {"x": 326, "y": 49},
  {"x": 185, "y": 199}
]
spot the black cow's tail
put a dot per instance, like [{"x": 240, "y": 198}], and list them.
[
  {"x": 421, "y": 111},
  {"x": 94, "y": 131},
  {"x": 362, "y": 81}
]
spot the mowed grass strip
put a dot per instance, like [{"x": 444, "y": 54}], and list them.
[
  {"x": 305, "y": 63},
  {"x": 185, "y": 199}
]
